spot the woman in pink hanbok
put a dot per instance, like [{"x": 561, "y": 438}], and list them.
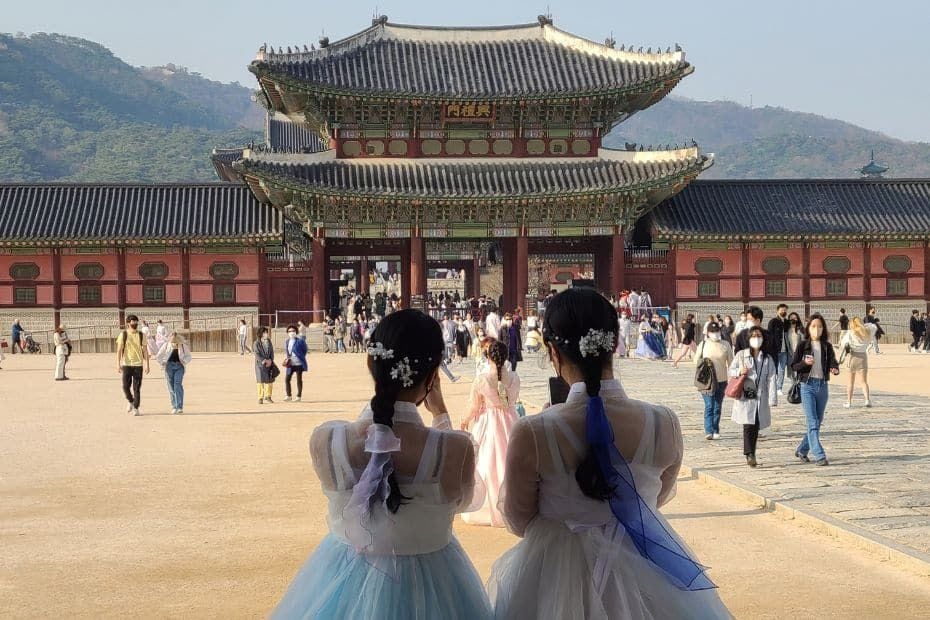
[{"x": 490, "y": 416}]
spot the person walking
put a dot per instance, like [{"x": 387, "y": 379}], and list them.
[
  {"x": 753, "y": 408},
  {"x": 329, "y": 341},
  {"x": 492, "y": 323},
  {"x": 872, "y": 318},
  {"x": 174, "y": 355},
  {"x": 843, "y": 323},
  {"x": 62, "y": 352},
  {"x": 795, "y": 336},
  {"x": 754, "y": 318},
  {"x": 917, "y": 331},
  {"x": 510, "y": 335},
  {"x": 688, "y": 345},
  {"x": 778, "y": 335},
  {"x": 855, "y": 345},
  {"x": 132, "y": 355},
  {"x": 302, "y": 331},
  {"x": 720, "y": 353},
  {"x": 265, "y": 370},
  {"x": 490, "y": 415},
  {"x": 295, "y": 362},
  {"x": 339, "y": 334},
  {"x": 243, "y": 337},
  {"x": 727, "y": 328},
  {"x": 814, "y": 362},
  {"x": 16, "y": 335}
]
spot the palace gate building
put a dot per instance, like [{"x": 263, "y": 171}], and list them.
[{"x": 402, "y": 149}]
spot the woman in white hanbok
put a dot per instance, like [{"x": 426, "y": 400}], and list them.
[{"x": 582, "y": 487}]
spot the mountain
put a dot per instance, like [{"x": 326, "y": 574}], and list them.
[
  {"x": 72, "y": 111},
  {"x": 770, "y": 142}
]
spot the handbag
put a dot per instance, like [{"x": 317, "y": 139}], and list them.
[
  {"x": 705, "y": 376},
  {"x": 794, "y": 394},
  {"x": 273, "y": 371},
  {"x": 735, "y": 386}
]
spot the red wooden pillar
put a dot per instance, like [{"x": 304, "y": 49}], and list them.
[
  {"x": 509, "y": 251},
  {"x": 56, "y": 278},
  {"x": 744, "y": 272},
  {"x": 121, "y": 283},
  {"x": 319, "y": 270},
  {"x": 522, "y": 272},
  {"x": 672, "y": 278},
  {"x": 474, "y": 289},
  {"x": 806, "y": 275},
  {"x": 617, "y": 262},
  {"x": 867, "y": 273},
  {"x": 186, "y": 283},
  {"x": 363, "y": 282},
  {"x": 927, "y": 274},
  {"x": 417, "y": 262}
]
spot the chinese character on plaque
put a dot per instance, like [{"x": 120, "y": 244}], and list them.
[{"x": 468, "y": 111}]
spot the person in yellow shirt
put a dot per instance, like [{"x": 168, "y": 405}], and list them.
[{"x": 131, "y": 357}]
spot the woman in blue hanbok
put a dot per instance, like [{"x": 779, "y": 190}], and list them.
[
  {"x": 651, "y": 344},
  {"x": 394, "y": 487}
]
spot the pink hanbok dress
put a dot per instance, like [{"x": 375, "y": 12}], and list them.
[{"x": 491, "y": 432}]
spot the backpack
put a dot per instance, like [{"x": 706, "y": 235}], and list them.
[{"x": 705, "y": 377}]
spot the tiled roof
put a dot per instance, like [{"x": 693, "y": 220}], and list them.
[
  {"x": 291, "y": 137},
  {"x": 463, "y": 178},
  {"x": 84, "y": 212},
  {"x": 489, "y": 62},
  {"x": 822, "y": 208}
]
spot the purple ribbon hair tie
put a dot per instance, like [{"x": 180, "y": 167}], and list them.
[{"x": 650, "y": 536}]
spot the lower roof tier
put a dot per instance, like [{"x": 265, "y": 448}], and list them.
[
  {"x": 886, "y": 209},
  {"x": 473, "y": 179}
]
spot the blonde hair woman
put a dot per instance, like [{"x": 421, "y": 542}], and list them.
[
  {"x": 855, "y": 343},
  {"x": 174, "y": 355}
]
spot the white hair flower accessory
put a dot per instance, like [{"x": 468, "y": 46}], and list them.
[
  {"x": 595, "y": 341},
  {"x": 377, "y": 350},
  {"x": 402, "y": 372}
]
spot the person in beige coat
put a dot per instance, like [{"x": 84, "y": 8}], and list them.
[
  {"x": 753, "y": 408},
  {"x": 62, "y": 352}
]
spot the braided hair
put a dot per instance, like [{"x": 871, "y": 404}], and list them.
[
  {"x": 416, "y": 340},
  {"x": 568, "y": 318},
  {"x": 498, "y": 352}
]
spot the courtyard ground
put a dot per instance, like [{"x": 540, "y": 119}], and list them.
[{"x": 209, "y": 514}]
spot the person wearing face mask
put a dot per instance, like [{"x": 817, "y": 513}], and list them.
[
  {"x": 727, "y": 329},
  {"x": 510, "y": 335},
  {"x": 753, "y": 408},
  {"x": 720, "y": 353},
  {"x": 265, "y": 370},
  {"x": 794, "y": 335},
  {"x": 814, "y": 361},
  {"x": 174, "y": 356},
  {"x": 754, "y": 318},
  {"x": 778, "y": 335},
  {"x": 625, "y": 326},
  {"x": 295, "y": 360},
  {"x": 131, "y": 356}
]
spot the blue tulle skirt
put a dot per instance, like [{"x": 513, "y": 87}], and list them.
[{"x": 336, "y": 582}]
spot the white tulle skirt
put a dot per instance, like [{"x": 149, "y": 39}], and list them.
[{"x": 550, "y": 575}]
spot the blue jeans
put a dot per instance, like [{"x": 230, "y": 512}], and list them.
[
  {"x": 713, "y": 403},
  {"x": 782, "y": 364},
  {"x": 174, "y": 377},
  {"x": 814, "y": 395}
]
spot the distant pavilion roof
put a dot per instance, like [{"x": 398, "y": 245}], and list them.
[
  {"x": 457, "y": 179},
  {"x": 528, "y": 60},
  {"x": 134, "y": 213},
  {"x": 891, "y": 209}
]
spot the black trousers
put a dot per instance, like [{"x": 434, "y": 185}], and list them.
[
  {"x": 132, "y": 376},
  {"x": 750, "y": 437},
  {"x": 916, "y": 336},
  {"x": 300, "y": 381}
]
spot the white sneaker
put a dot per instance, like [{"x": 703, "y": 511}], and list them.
[
  {"x": 135, "y": 412},
  {"x": 174, "y": 412},
  {"x": 716, "y": 435},
  {"x": 781, "y": 393},
  {"x": 128, "y": 407},
  {"x": 287, "y": 399},
  {"x": 868, "y": 403},
  {"x": 297, "y": 400},
  {"x": 847, "y": 405},
  {"x": 179, "y": 411}
]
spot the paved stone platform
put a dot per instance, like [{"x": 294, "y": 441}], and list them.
[{"x": 879, "y": 473}]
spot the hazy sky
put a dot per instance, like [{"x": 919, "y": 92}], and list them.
[{"x": 863, "y": 61}]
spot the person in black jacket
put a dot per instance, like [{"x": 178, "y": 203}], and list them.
[
  {"x": 814, "y": 361},
  {"x": 754, "y": 318},
  {"x": 778, "y": 333},
  {"x": 872, "y": 317},
  {"x": 917, "y": 330}
]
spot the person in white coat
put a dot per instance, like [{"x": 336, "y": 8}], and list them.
[
  {"x": 753, "y": 408},
  {"x": 62, "y": 352},
  {"x": 174, "y": 356}
]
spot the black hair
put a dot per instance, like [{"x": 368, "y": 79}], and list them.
[
  {"x": 825, "y": 336},
  {"x": 132, "y": 317},
  {"x": 413, "y": 338},
  {"x": 754, "y": 329},
  {"x": 713, "y": 326},
  {"x": 567, "y": 319},
  {"x": 755, "y": 312},
  {"x": 780, "y": 306},
  {"x": 262, "y": 330},
  {"x": 290, "y": 327}
]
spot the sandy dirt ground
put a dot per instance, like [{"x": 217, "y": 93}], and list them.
[
  {"x": 895, "y": 370},
  {"x": 209, "y": 514}
]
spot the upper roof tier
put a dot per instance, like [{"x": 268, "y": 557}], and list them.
[{"x": 471, "y": 63}]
